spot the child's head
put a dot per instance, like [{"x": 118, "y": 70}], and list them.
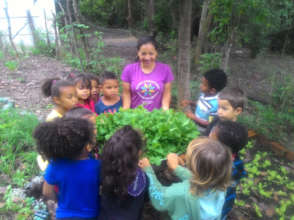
[
  {"x": 230, "y": 103},
  {"x": 213, "y": 81},
  {"x": 83, "y": 87},
  {"x": 64, "y": 138},
  {"x": 63, "y": 93},
  {"x": 80, "y": 112},
  {"x": 94, "y": 84},
  {"x": 109, "y": 85},
  {"x": 210, "y": 163},
  {"x": 120, "y": 158},
  {"x": 232, "y": 134}
]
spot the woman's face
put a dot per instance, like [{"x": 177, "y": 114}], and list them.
[{"x": 147, "y": 54}]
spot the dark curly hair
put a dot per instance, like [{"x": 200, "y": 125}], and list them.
[
  {"x": 216, "y": 78},
  {"x": 84, "y": 80},
  {"x": 51, "y": 87},
  {"x": 78, "y": 112},
  {"x": 63, "y": 137},
  {"x": 107, "y": 75},
  {"x": 234, "y": 96},
  {"x": 232, "y": 134},
  {"x": 120, "y": 157},
  {"x": 93, "y": 77}
]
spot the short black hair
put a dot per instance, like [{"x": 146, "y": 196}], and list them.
[
  {"x": 63, "y": 137},
  {"x": 93, "y": 77},
  {"x": 106, "y": 76},
  {"x": 147, "y": 40},
  {"x": 234, "y": 96},
  {"x": 51, "y": 87},
  {"x": 78, "y": 112},
  {"x": 120, "y": 157},
  {"x": 232, "y": 134},
  {"x": 216, "y": 78},
  {"x": 84, "y": 80}
]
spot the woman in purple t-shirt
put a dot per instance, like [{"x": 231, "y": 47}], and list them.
[{"x": 147, "y": 82}]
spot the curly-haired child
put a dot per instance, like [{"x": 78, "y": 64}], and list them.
[
  {"x": 124, "y": 184},
  {"x": 66, "y": 143},
  {"x": 201, "y": 194}
]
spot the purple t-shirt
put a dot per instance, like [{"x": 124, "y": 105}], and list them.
[{"x": 147, "y": 89}]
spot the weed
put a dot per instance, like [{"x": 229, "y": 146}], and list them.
[{"x": 11, "y": 65}]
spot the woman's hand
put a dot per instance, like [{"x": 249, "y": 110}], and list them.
[
  {"x": 166, "y": 98},
  {"x": 126, "y": 95},
  {"x": 144, "y": 163}
]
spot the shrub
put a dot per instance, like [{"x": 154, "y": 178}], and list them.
[{"x": 164, "y": 131}]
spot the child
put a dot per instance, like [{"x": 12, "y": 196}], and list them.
[
  {"x": 212, "y": 82},
  {"x": 83, "y": 88},
  {"x": 231, "y": 103},
  {"x": 201, "y": 193},
  {"x": 110, "y": 102},
  {"x": 63, "y": 94},
  {"x": 124, "y": 184},
  {"x": 95, "y": 87},
  {"x": 67, "y": 143},
  {"x": 64, "y": 97},
  {"x": 235, "y": 136}
]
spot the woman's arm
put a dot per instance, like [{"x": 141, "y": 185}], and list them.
[
  {"x": 48, "y": 191},
  {"x": 126, "y": 95},
  {"x": 166, "y": 98}
]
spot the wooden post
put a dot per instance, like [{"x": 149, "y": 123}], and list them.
[
  {"x": 130, "y": 17},
  {"x": 9, "y": 29}
]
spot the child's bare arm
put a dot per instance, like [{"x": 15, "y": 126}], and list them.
[
  {"x": 196, "y": 119},
  {"x": 48, "y": 191}
]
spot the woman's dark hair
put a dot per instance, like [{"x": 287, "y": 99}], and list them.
[
  {"x": 120, "y": 158},
  {"x": 232, "y": 134},
  {"x": 84, "y": 80},
  {"x": 51, "y": 87},
  {"x": 146, "y": 40},
  {"x": 63, "y": 137},
  {"x": 107, "y": 75},
  {"x": 78, "y": 112}
]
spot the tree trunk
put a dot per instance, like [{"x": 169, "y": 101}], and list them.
[
  {"x": 35, "y": 35},
  {"x": 205, "y": 21},
  {"x": 66, "y": 24},
  {"x": 57, "y": 46},
  {"x": 150, "y": 16},
  {"x": 184, "y": 53},
  {"x": 130, "y": 17},
  {"x": 9, "y": 29},
  {"x": 227, "y": 51},
  {"x": 47, "y": 32}
]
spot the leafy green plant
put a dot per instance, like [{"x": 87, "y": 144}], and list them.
[
  {"x": 17, "y": 158},
  {"x": 164, "y": 131},
  {"x": 11, "y": 65},
  {"x": 209, "y": 61}
]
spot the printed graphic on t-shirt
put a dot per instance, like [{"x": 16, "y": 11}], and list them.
[{"x": 148, "y": 89}]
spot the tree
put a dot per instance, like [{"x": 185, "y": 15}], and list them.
[{"x": 184, "y": 53}]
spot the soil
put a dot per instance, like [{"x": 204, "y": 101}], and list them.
[{"x": 23, "y": 85}]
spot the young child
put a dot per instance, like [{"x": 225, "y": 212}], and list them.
[
  {"x": 95, "y": 87},
  {"x": 63, "y": 95},
  {"x": 231, "y": 103},
  {"x": 201, "y": 193},
  {"x": 235, "y": 136},
  {"x": 66, "y": 143},
  {"x": 83, "y": 88},
  {"x": 110, "y": 102},
  {"x": 212, "y": 82},
  {"x": 124, "y": 185}
]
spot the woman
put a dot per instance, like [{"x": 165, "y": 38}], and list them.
[{"x": 147, "y": 82}]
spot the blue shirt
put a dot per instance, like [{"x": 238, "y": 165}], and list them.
[
  {"x": 101, "y": 108},
  {"x": 78, "y": 185},
  {"x": 206, "y": 107}
]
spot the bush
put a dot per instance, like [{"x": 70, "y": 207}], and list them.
[
  {"x": 164, "y": 131},
  {"x": 17, "y": 156}
]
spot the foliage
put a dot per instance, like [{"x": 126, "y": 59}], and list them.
[
  {"x": 209, "y": 61},
  {"x": 269, "y": 181},
  {"x": 11, "y": 65},
  {"x": 17, "y": 158},
  {"x": 164, "y": 131}
]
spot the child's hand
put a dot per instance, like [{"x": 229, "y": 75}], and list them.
[
  {"x": 190, "y": 115},
  {"x": 144, "y": 163},
  {"x": 172, "y": 161}
]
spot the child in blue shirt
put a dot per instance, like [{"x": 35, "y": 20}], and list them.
[
  {"x": 66, "y": 143},
  {"x": 212, "y": 82},
  {"x": 110, "y": 102},
  {"x": 235, "y": 136}
]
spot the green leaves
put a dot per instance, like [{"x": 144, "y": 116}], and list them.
[{"x": 164, "y": 131}]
